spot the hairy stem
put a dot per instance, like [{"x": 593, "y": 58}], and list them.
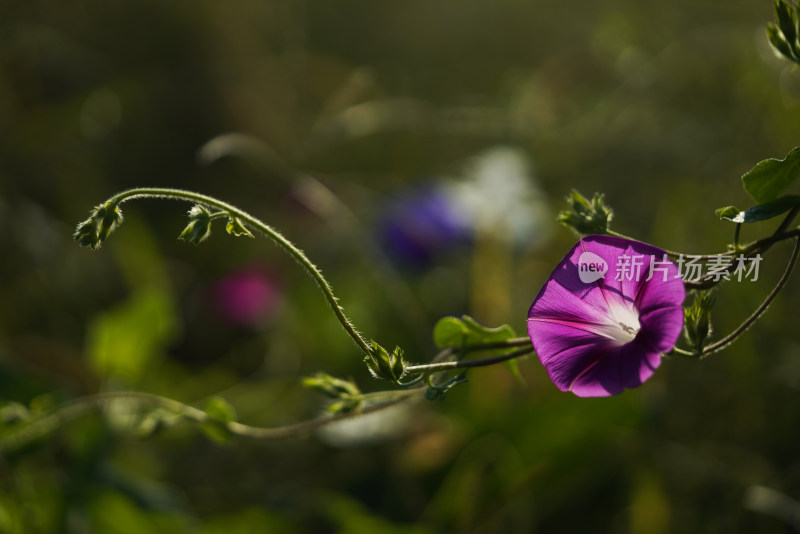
[
  {"x": 47, "y": 423},
  {"x": 682, "y": 352},
  {"x": 509, "y": 343},
  {"x": 670, "y": 253},
  {"x": 461, "y": 351},
  {"x": 788, "y": 219},
  {"x": 461, "y": 364},
  {"x": 727, "y": 340},
  {"x": 736, "y": 233},
  {"x": 277, "y": 237},
  {"x": 756, "y": 247}
]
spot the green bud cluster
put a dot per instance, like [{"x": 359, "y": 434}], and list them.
[
  {"x": 104, "y": 219},
  {"x": 330, "y": 386},
  {"x": 344, "y": 392},
  {"x": 199, "y": 227},
  {"x": 586, "y": 216},
  {"x": 697, "y": 321},
  {"x": 385, "y": 366},
  {"x": 784, "y": 35}
]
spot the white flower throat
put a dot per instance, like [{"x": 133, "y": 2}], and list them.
[{"x": 622, "y": 323}]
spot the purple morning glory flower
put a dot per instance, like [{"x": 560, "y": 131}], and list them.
[{"x": 607, "y": 313}]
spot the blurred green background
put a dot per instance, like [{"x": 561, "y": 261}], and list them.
[{"x": 331, "y": 121}]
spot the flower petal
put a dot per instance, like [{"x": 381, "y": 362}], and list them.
[
  {"x": 623, "y": 367},
  {"x": 598, "y": 337},
  {"x": 565, "y": 351},
  {"x": 661, "y": 327}
]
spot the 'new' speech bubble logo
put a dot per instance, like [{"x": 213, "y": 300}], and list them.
[{"x": 591, "y": 267}]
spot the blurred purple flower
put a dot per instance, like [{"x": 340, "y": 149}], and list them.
[
  {"x": 497, "y": 196},
  {"x": 418, "y": 227},
  {"x": 246, "y": 297},
  {"x": 608, "y": 312}
]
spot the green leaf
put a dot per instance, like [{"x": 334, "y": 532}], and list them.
[
  {"x": 236, "y": 227},
  {"x": 449, "y": 332},
  {"x": 728, "y": 212},
  {"x": 220, "y": 413},
  {"x": 454, "y": 332},
  {"x": 221, "y": 410},
  {"x": 761, "y": 212},
  {"x": 124, "y": 341},
  {"x": 769, "y": 178}
]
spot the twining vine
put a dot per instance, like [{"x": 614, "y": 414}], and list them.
[{"x": 456, "y": 338}]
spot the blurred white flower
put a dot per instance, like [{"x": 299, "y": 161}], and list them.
[{"x": 501, "y": 196}]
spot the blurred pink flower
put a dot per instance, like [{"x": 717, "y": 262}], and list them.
[{"x": 246, "y": 297}]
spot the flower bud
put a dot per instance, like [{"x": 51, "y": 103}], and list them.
[
  {"x": 584, "y": 216},
  {"x": 784, "y": 36},
  {"x": 109, "y": 216},
  {"x": 787, "y": 21},
  {"x": 104, "y": 219},
  {"x": 385, "y": 366},
  {"x": 697, "y": 320},
  {"x": 330, "y": 386},
  {"x": 199, "y": 227},
  {"x": 86, "y": 234}
]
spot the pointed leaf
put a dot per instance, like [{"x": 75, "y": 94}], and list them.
[
  {"x": 123, "y": 341},
  {"x": 761, "y": 212},
  {"x": 769, "y": 178},
  {"x": 237, "y": 228},
  {"x": 455, "y": 332},
  {"x": 449, "y": 332},
  {"x": 728, "y": 212},
  {"x": 485, "y": 334}
]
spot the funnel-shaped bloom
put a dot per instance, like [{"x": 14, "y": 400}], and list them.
[{"x": 607, "y": 313}]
